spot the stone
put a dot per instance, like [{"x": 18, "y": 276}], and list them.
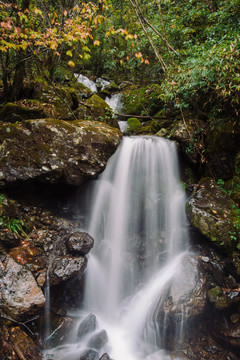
[
  {"x": 188, "y": 293},
  {"x": 89, "y": 354},
  {"x": 60, "y": 326},
  {"x": 55, "y": 151},
  {"x": 99, "y": 110},
  {"x": 63, "y": 268},
  {"x": 212, "y": 212},
  {"x": 20, "y": 295},
  {"x": 133, "y": 124},
  {"x": 105, "y": 357},
  {"x": 98, "y": 340},
  {"x": 87, "y": 325},
  {"x": 30, "y": 256},
  {"x": 79, "y": 243}
]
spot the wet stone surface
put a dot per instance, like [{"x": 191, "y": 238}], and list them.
[{"x": 79, "y": 243}]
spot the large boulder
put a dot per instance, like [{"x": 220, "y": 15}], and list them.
[
  {"x": 213, "y": 213},
  {"x": 63, "y": 268},
  {"x": 51, "y": 150},
  {"x": 87, "y": 325},
  {"x": 188, "y": 293},
  {"x": 20, "y": 295}
]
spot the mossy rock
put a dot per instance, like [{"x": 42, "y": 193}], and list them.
[
  {"x": 104, "y": 93},
  {"x": 112, "y": 87},
  {"x": 213, "y": 213},
  {"x": 133, "y": 124},
  {"x": 162, "y": 133},
  {"x": 52, "y": 150},
  {"x": 144, "y": 130},
  {"x": 215, "y": 296},
  {"x": 221, "y": 300},
  {"x": 12, "y": 113},
  {"x": 59, "y": 101},
  {"x": 83, "y": 92},
  {"x": 142, "y": 101},
  {"x": 99, "y": 110}
]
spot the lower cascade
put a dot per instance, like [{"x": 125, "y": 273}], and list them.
[{"x": 138, "y": 265}]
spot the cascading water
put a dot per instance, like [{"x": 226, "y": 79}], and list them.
[{"x": 139, "y": 226}]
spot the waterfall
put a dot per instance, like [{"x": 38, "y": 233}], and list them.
[{"x": 139, "y": 226}]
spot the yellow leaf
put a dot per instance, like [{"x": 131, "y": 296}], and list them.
[
  {"x": 71, "y": 63},
  {"x": 69, "y": 53},
  {"x": 86, "y": 56},
  {"x": 96, "y": 42}
]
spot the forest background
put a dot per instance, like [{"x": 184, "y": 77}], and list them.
[{"x": 191, "y": 48}]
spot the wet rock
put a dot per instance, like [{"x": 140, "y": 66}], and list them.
[
  {"x": 19, "y": 294},
  {"x": 98, "y": 340},
  {"x": 60, "y": 326},
  {"x": 79, "y": 243},
  {"x": 12, "y": 112},
  {"x": 89, "y": 355},
  {"x": 211, "y": 211},
  {"x": 105, "y": 357},
  {"x": 16, "y": 341},
  {"x": 188, "y": 292},
  {"x": 66, "y": 267},
  {"x": 51, "y": 150},
  {"x": 87, "y": 325},
  {"x": 29, "y": 255}
]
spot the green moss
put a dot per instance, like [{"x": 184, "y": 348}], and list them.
[
  {"x": 214, "y": 293},
  {"x": 144, "y": 101},
  {"x": 133, "y": 124},
  {"x": 12, "y": 113},
  {"x": 98, "y": 105}
]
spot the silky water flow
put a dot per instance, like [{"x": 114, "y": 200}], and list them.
[{"x": 139, "y": 226}]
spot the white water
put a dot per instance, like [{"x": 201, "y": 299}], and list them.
[
  {"x": 115, "y": 102},
  {"x": 87, "y": 82},
  {"x": 139, "y": 226}
]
